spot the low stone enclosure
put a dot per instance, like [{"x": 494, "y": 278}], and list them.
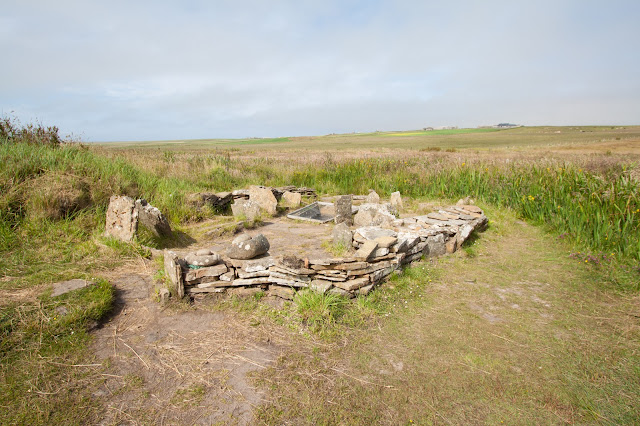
[{"x": 376, "y": 240}]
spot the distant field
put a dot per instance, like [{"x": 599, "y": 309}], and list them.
[{"x": 623, "y": 137}]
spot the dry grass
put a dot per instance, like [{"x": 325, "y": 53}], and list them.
[{"x": 519, "y": 333}]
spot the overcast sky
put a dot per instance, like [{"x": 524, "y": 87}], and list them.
[{"x": 148, "y": 70}]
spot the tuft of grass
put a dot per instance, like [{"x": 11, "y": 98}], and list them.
[
  {"x": 318, "y": 310},
  {"x": 40, "y": 343}
]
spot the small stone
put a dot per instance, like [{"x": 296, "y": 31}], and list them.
[
  {"x": 465, "y": 201},
  {"x": 320, "y": 286},
  {"x": 203, "y": 252},
  {"x": 386, "y": 241},
  {"x": 353, "y": 284},
  {"x": 228, "y": 276},
  {"x": 70, "y": 285},
  {"x": 265, "y": 199},
  {"x": 291, "y": 199},
  {"x": 380, "y": 251},
  {"x": 195, "y": 260},
  {"x": 363, "y": 291},
  {"x": 452, "y": 245},
  {"x": 240, "y": 238},
  {"x": 248, "y": 249},
  {"x": 211, "y": 271},
  {"x": 366, "y": 250},
  {"x": 373, "y": 198},
  {"x": 163, "y": 295},
  {"x": 340, "y": 292},
  {"x": 342, "y": 235},
  {"x": 282, "y": 292},
  {"x": 396, "y": 200},
  {"x": 344, "y": 209}
]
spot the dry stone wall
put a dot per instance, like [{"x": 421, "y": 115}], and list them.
[{"x": 378, "y": 252}]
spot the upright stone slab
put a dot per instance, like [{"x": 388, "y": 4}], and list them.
[
  {"x": 152, "y": 218},
  {"x": 265, "y": 199},
  {"x": 343, "y": 210},
  {"x": 396, "y": 200},
  {"x": 173, "y": 270},
  {"x": 122, "y": 218},
  {"x": 342, "y": 235}
]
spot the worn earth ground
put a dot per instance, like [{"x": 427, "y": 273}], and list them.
[{"x": 510, "y": 329}]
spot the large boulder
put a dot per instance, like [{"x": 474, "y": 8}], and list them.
[
  {"x": 375, "y": 215},
  {"x": 122, "y": 218},
  {"x": 247, "y": 247},
  {"x": 265, "y": 199},
  {"x": 291, "y": 199},
  {"x": 152, "y": 218}
]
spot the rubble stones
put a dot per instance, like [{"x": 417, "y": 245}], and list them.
[
  {"x": 242, "y": 248},
  {"x": 344, "y": 209},
  {"x": 265, "y": 199},
  {"x": 122, "y": 218},
  {"x": 152, "y": 218},
  {"x": 380, "y": 253}
]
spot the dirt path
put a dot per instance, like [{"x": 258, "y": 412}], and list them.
[
  {"x": 182, "y": 366},
  {"x": 517, "y": 334}
]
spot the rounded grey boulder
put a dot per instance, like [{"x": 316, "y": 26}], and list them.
[
  {"x": 206, "y": 260},
  {"x": 247, "y": 248}
]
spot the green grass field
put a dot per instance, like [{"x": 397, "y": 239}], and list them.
[{"x": 480, "y": 139}]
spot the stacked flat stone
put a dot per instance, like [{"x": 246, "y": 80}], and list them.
[{"x": 380, "y": 251}]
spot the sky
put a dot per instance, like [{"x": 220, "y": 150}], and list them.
[{"x": 161, "y": 70}]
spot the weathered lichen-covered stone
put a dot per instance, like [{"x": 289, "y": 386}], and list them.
[
  {"x": 211, "y": 271},
  {"x": 436, "y": 246},
  {"x": 265, "y": 199},
  {"x": 246, "y": 209},
  {"x": 208, "y": 260},
  {"x": 122, "y": 218},
  {"x": 248, "y": 248},
  {"x": 344, "y": 208},
  {"x": 152, "y": 218}
]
